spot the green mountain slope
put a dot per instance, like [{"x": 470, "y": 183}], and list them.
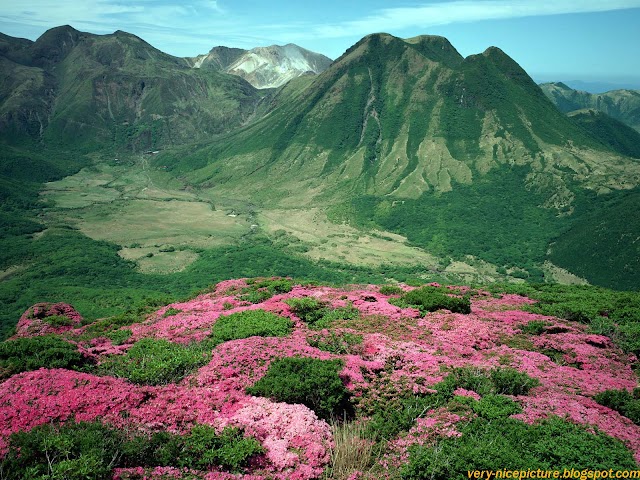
[
  {"x": 91, "y": 92},
  {"x": 623, "y": 105},
  {"x": 613, "y": 133},
  {"x": 464, "y": 156}
]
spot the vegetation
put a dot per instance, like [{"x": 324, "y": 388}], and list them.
[
  {"x": 449, "y": 224},
  {"x": 608, "y": 254},
  {"x": 318, "y": 314},
  {"x": 392, "y": 416},
  {"x": 390, "y": 290},
  {"x": 491, "y": 444},
  {"x": 90, "y": 451},
  {"x": 430, "y": 299},
  {"x": 622, "y": 401},
  {"x": 156, "y": 362},
  {"x": 607, "y": 312},
  {"x": 261, "y": 290},
  {"x": 611, "y": 132},
  {"x": 338, "y": 343},
  {"x": 50, "y": 351},
  {"x": 309, "y": 381},
  {"x": 249, "y": 323}
]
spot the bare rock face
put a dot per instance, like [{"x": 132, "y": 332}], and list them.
[{"x": 264, "y": 67}]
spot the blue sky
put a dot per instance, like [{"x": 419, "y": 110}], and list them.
[{"x": 589, "y": 40}]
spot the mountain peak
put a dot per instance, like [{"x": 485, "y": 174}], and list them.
[
  {"x": 54, "y": 45},
  {"x": 275, "y": 65}
]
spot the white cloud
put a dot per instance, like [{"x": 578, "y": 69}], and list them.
[
  {"x": 107, "y": 15},
  {"x": 442, "y": 13}
]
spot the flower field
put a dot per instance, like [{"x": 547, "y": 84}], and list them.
[{"x": 322, "y": 359}]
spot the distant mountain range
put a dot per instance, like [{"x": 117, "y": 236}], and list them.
[
  {"x": 465, "y": 157},
  {"x": 264, "y": 67},
  {"x": 623, "y": 105}
]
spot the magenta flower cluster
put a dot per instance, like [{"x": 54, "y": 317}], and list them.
[{"x": 33, "y": 321}]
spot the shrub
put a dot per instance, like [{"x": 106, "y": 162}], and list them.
[
  {"x": 431, "y": 299},
  {"x": 260, "y": 290},
  {"x": 505, "y": 442},
  {"x": 390, "y": 290},
  {"x": 171, "y": 311},
  {"x": 309, "y": 310},
  {"x": 49, "y": 351},
  {"x": 59, "y": 321},
  {"x": 318, "y": 314},
  {"x": 91, "y": 450},
  {"x": 75, "y": 451},
  {"x": 250, "y": 323},
  {"x": 156, "y": 362},
  {"x": 338, "y": 343},
  {"x": 534, "y": 327},
  {"x": 510, "y": 381},
  {"x": 392, "y": 418},
  {"x": 203, "y": 449},
  {"x": 493, "y": 407},
  {"x": 118, "y": 337},
  {"x": 506, "y": 380},
  {"x": 389, "y": 418},
  {"x": 309, "y": 381},
  {"x": 623, "y": 402}
]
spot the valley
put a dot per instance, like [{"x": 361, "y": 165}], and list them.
[{"x": 400, "y": 161}]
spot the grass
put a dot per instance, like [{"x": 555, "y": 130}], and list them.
[
  {"x": 353, "y": 450},
  {"x": 327, "y": 240}
]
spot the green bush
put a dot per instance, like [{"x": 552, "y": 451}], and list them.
[
  {"x": 608, "y": 312},
  {"x": 203, "y": 449},
  {"x": 390, "y": 417},
  {"x": 431, "y": 299},
  {"x": 493, "y": 407},
  {"x": 118, "y": 337},
  {"x": 250, "y": 323},
  {"x": 509, "y": 381},
  {"x": 534, "y": 327},
  {"x": 58, "y": 321},
  {"x": 623, "y": 402},
  {"x": 171, "y": 311},
  {"x": 390, "y": 290},
  {"x": 157, "y": 362},
  {"x": 507, "y": 443},
  {"x": 309, "y": 310},
  {"x": 338, "y": 343},
  {"x": 50, "y": 351},
  {"x": 260, "y": 290},
  {"x": 91, "y": 450},
  {"x": 309, "y": 381},
  {"x": 318, "y": 314},
  {"x": 75, "y": 451}
]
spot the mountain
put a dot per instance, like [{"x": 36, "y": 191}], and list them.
[
  {"x": 617, "y": 135},
  {"x": 264, "y": 67},
  {"x": 90, "y": 91},
  {"x": 598, "y": 86},
  {"x": 623, "y": 105},
  {"x": 408, "y": 136},
  {"x": 400, "y": 118}
]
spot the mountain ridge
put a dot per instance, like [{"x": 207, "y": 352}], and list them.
[
  {"x": 402, "y": 147},
  {"x": 622, "y": 104},
  {"x": 263, "y": 67}
]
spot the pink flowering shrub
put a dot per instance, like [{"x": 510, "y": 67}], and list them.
[
  {"x": 47, "y": 318},
  {"x": 389, "y": 355}
]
